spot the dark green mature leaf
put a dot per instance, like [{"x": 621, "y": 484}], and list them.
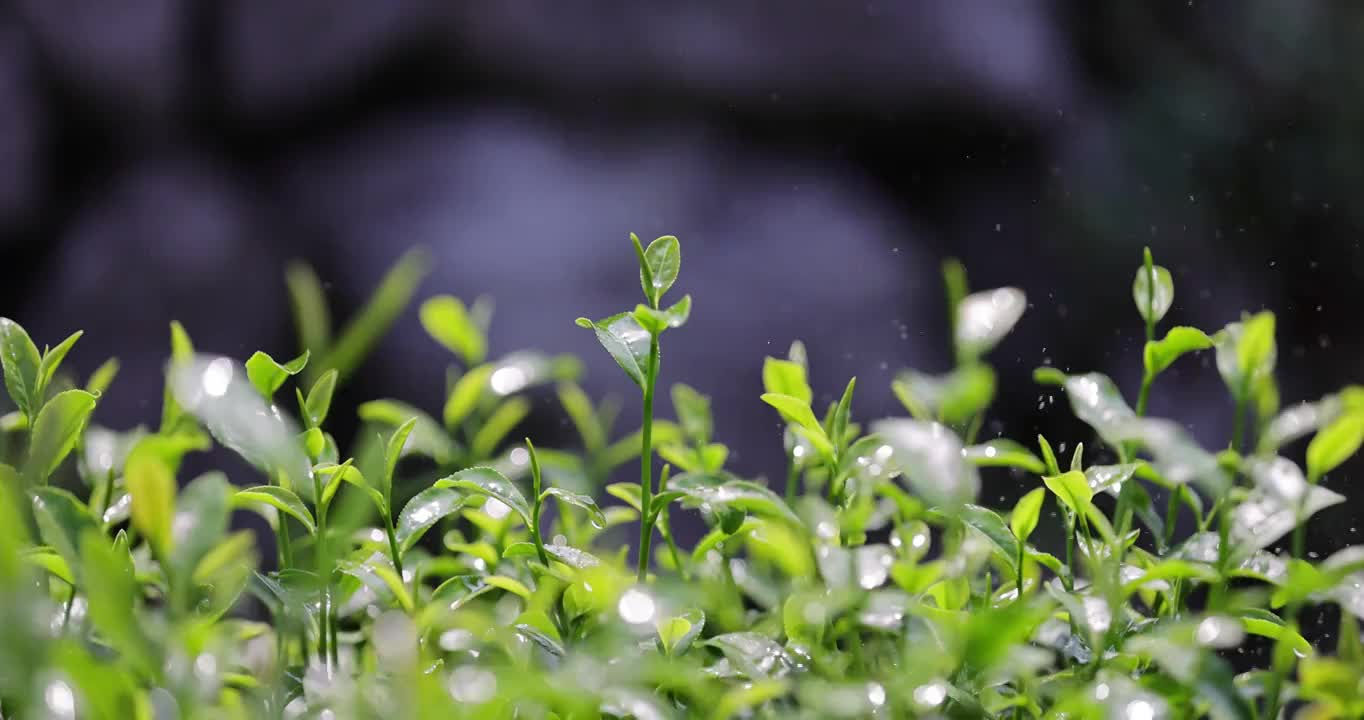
[
  {"x": 21, "y": 360},
  {"x": 1159, "y": 355},
  {"x": 1002, "y": 452},
  {"x": 268, "y": 375},
  {"x": 1334, "y": 444},
  {"x": 1153, "y": 290},
  {"x": 449, "y": 323},
  {"x": 377, "y": 316},
  {"x": 423, "y": 511},
  {"x": 54, "y": 433},
  {"x": 786, "y": 377},
  {"x": 625, "y": 340},
  {"x": 62, "y": 520},
  {"x": 279, "y": 498},
  {"x": 489, "y": 482}
]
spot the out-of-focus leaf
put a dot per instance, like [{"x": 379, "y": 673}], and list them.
[
  {"x": 448, "y": 322},
  {"x": 930, "y": 456},
  {"x": 377, "y": 316},
  {"x": 1002, "y": 452},
  {"x": 1180, "y": 340},
  {"x": 984, "y": 318},
  {"x": 267, "y": 374},
  {"x": 1334, "y": 444}
]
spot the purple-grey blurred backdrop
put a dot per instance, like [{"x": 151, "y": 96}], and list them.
[{"x": 163, "y": 159}]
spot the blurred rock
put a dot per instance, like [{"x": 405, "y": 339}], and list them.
[
  {"x": 22, "y": 131},
  {"x": 878, "y": 55},
  {"x": 535, "y": 215},
  {"x": 172, "y": 239},
  {"x": 130, "y": 55}
]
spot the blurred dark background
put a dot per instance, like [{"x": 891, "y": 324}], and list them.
[{"x": 164, "y": 159}]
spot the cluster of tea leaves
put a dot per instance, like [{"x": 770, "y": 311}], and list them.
[{"x": 440, "y": 567}]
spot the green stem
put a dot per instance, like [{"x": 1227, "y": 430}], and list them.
[
  {"x": 324, "y": 563},
  {"x": 108, "y": 495},
  {"x": 1019, "y": 575},
  {"x": 66, "y": 611},
  {"x": 792, "y": 479},
  {"x": 1070, "y": 551},
  {"x": 1171, "y": 515},
  {"x": 646, "y": 456},
  {"x": 1300, "y": 526},
  {"x": 393, "y": 544},
  {"x": 535, "y": 531}
]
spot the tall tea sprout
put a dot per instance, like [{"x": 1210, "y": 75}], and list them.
[{"x": 631, "y": 338}]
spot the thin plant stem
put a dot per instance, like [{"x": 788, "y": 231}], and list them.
[{"x": 646, "y": 456}]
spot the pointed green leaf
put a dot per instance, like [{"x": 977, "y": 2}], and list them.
[
  {"x": 797, "y": 412},
  {"x": 841, "y": 413},
  {"x": 448, "y": 322},
  {"x": 62, "y": 520},
  {"x": 489, "y": 482},
  {"x": 319, "y": 401},
  {"x": 201, "y": 514},
  {"x": 373, "y": 321},
  {"x": 1023, "y": 520},
  {"x": 579, "y": 409},
  {"x": 693, "y": 413},
  {"x": 55, "y": 432},
  {"x": 279, "y": 498},
  {"x": 991, "y": 526},
  {"x": 423, "y": 511},
  {"x": 719, "y": 490},
  {"x": 102, "y": 377},
  {"x": 393, "y": 451},
  {"x": 786, "y": 377},
  {"x": 309, "y": 305},
  {"x": 495, "y": 428},
  {"x": 570, "y": 556},
  {"x": 151, "y": 485},
  {"x": 465, "y": 395},
  {"x": 1334, "y": 444},
  {"x": 52, "y": 359},
  {"x": 1072, "y": 489},
  {"x": 578, "y": 500},
  {"x": 428, "y": 438},
  {"x": 625, "y": 340},
  {"x": 267, "y": 375},
  {"x": 21, "y": 360},
  {"x": 664, "y": 257},
  {"x": 1002, "y": 452},
  {"x": 1180, "y": 340}
]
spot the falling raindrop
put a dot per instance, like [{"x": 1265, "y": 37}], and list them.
[{"x": 636, "y": 606}]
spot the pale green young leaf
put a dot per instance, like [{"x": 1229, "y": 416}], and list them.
[
  {"x": 423, "y": 511},
  {"x": 786, "y": 377},
  {"x": 393, "y": 451},
  {"x": 52, "y": 360},
  {"x": 464, "y": 396},
  {"x": 1153, "y": 290},
  {"x": 677, "y": 314},
  {"x": 1334, "y": 444},
  {"x": 578, "y": 500},
  {"x": 503, "y": 419},
  {"x": 1023, "y": 519},
  {"x": 664, "y": 257},
  {"x": 359, "y": 337},
  {"x": 268, "y": 375},
  {"x": 1180, "y": 340},
  {"x": 1072, "y": 489},
  {"x": 797, "y": 412},
  {"x": 150, "y": 476},
  {"x": 102, "y": 377},
  {"x": 201, "y": 520},
  {"x": 930, "y": 457},
  {"x": 448, "y": 322},
  {"x": 428, "y": 438},
  {"x": 319, "y": 400},
  {"x": 584, "y": 417},
  {"x": 841, "y": 414},
  {"x": 693, "y": 413},
  {"x": 309, "y": 305}
]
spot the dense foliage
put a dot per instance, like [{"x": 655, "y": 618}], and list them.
[{"x": 438, "y": 569}]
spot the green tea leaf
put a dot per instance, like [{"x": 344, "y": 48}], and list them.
[
  {"x": 319, "y": 400},
  {"x": 984, "y": 318},
  {"x": 844, "y": 408},
  {"x": 570, "y": 556},
  {"x": 1002, "y": 452},
  {"x": 678, "y": 313},
  {"x": 112, "y": 601},
  {"x": 54, "y": 433},
  {"x": 427, "y": 438},
  {"x": 954, "y": 398},
  {"x": 1153, "y": 290},
  {"x": 1246, "y": 352},
  {"x": 1072, "y": 489},
  {"x": 930, "y": 456},
  {"x": 693, "y": 413},
  {"x": 578, "y": 500},
  {"x": 21, "y": 360},
  {"x": 201, "y": 513},
  {"x": 493, "y": 484},
  {"x": 279, "y": 498},
  {"x": 625, "y": 340},
  {"x": 423, "y": 511},
  {"x": 665, "y": 259},
  {"x": 798, "y": 413},
  {"x": 268, "y": 375},
  {"x": 991, "y": 526},
  {"x": 1334, "y": 444},
  {"x": 1096, "y": 400},
  {"x": 52, "y": 359},
  {"x": 786, "y": 377},
  {"x": 495, "y": 428},
  {"x": 309, "y": 305},
  {"x": 465, "y": 395},
  {"x": 377, "y": 316},
  {"x": 1180, "y": 340},
  {"x": 448, "y": 322},
  {"x": 676, "y": 634},
  {"x": 720, "y": 490},
  {"x": 62, "y": 520},
  {"x": 150, "y": 475},
  {"x": 579, "y": 409},
  {"x": 102, "y": 377},
  {"x": 1023, "y": 519}
]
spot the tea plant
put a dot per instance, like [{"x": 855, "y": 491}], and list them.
[{"x": 411, "y": 575}]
